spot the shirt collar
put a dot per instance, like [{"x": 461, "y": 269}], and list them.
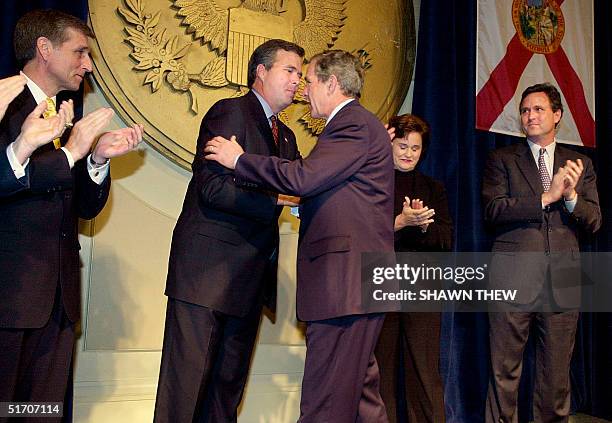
[
  {"x": 337, "y": 109},
  {"x": 37, "y": 92},
  {"x": 535, "y": 149},
  {"x": 264, "y": 104}
]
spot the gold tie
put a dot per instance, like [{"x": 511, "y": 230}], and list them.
[{"x": 50, "y": 112}]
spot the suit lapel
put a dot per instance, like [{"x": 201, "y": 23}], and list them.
[
  {"x": 528, "y": 168},
  {"x": 259, "y": 116},
  {"x": 283, "y": 142},
  {"x": 561, "y": 157}
]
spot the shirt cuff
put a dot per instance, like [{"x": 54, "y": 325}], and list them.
[
  {"x": 18, "y": 168},
  {"x": 236, "y": 159},
  {"x": 570, "y": 204},
  {"x": 69, "y": 157},
  {"x": 97, "y": 172}
]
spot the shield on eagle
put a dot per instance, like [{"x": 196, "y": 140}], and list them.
[{"x": 248, "y": 29}]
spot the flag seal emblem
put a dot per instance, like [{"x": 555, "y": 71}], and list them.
[{"x": 539, "y": 24}]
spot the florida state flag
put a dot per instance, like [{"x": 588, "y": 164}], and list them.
[{"x": 526, "y": 42}]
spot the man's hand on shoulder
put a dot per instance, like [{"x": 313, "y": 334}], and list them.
[
  {"x": 223, "y": 151},
  {"x": 390, "y": 131}
]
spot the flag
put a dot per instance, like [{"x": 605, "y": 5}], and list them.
[{"x": 526, "y": 42}]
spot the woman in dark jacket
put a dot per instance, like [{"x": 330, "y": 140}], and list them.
[{"x": 422, "y": 223}]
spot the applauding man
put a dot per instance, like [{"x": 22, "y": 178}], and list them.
[
  {"x": 62, "y": 181},
  {"x": 537, "y": 196}
]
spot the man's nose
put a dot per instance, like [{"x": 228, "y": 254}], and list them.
[{"x": 87, "y": 65}]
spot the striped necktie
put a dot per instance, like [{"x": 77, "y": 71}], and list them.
[
  {"x": 50, "y": 112},
  {"x": 274, "y": 127}
]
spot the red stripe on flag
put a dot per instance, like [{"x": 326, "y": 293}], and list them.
[
  {"x": 502, "y": 83},
  {"x": 571, "y": 87}
]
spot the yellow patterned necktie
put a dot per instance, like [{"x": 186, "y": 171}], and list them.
[{"x": 50, "y": 112}]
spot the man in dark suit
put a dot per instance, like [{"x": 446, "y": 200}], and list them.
[
  {"x": 346, "y": 186},
  {"x": 39, "y": 253},
  {"x": 537, "y": 197},
  {"x": 223, "y": 258}
]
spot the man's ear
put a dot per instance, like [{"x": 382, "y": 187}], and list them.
[
  {"x": 332, "y": 83},
  {"x": 260, "y": 71},
  {"x": 44, "y": 47},
  {"x": 557, "y": 117}
]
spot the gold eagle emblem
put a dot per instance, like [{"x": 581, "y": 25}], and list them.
[
  {"x": 317, "y": 32},
  {"x": 233, "y": 34}
]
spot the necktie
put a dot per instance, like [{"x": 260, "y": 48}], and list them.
[
  {"x": 50, "y": 112},
  {"x": 544, "y": 176},
  {"x": 274, "y": 129}
]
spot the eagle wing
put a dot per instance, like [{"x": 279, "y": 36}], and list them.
[
  {"x": 318, "y": 31},
  {"x": 205, "y": 20}
]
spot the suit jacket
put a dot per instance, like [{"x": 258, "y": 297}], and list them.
[
  {"x": 511, "y": 195},
  {"x": 39, "y": 245},
  {"x": 224, "y": 245},
  {"x": 346, "y": 185},
  {"x": 8, "y": 183}
]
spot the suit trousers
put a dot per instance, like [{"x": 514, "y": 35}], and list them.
[
  {"x": 205, "y": 363},
  {"x": 508, "y": 335},
  {"x": 341, "y": 379},
  {"x": 409, "y": 344},
  {"x": 35, "y": 364}
]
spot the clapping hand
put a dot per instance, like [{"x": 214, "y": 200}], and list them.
[
  {"x": 9, "y": 89},
  {"x": 117, "y": 142},
  {"x": 37, "y": 131},
  {"x": 573, "y": 170},
  {"x": 414, "y": 213},
  {"x": 86, "y": 131}
]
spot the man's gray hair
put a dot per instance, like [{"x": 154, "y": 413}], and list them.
[{"x": 344, "y": 66}]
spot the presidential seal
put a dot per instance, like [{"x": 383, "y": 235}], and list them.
[
  {"x": 165, "y": 62},
  {"x": 539, "y": 24}
]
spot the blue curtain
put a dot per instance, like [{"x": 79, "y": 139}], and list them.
[
  {"x": 11, "y": 10},
  {"x": 444, "y": 94}
]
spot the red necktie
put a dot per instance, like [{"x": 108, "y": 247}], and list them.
[{"x": 274, "y": 129}]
